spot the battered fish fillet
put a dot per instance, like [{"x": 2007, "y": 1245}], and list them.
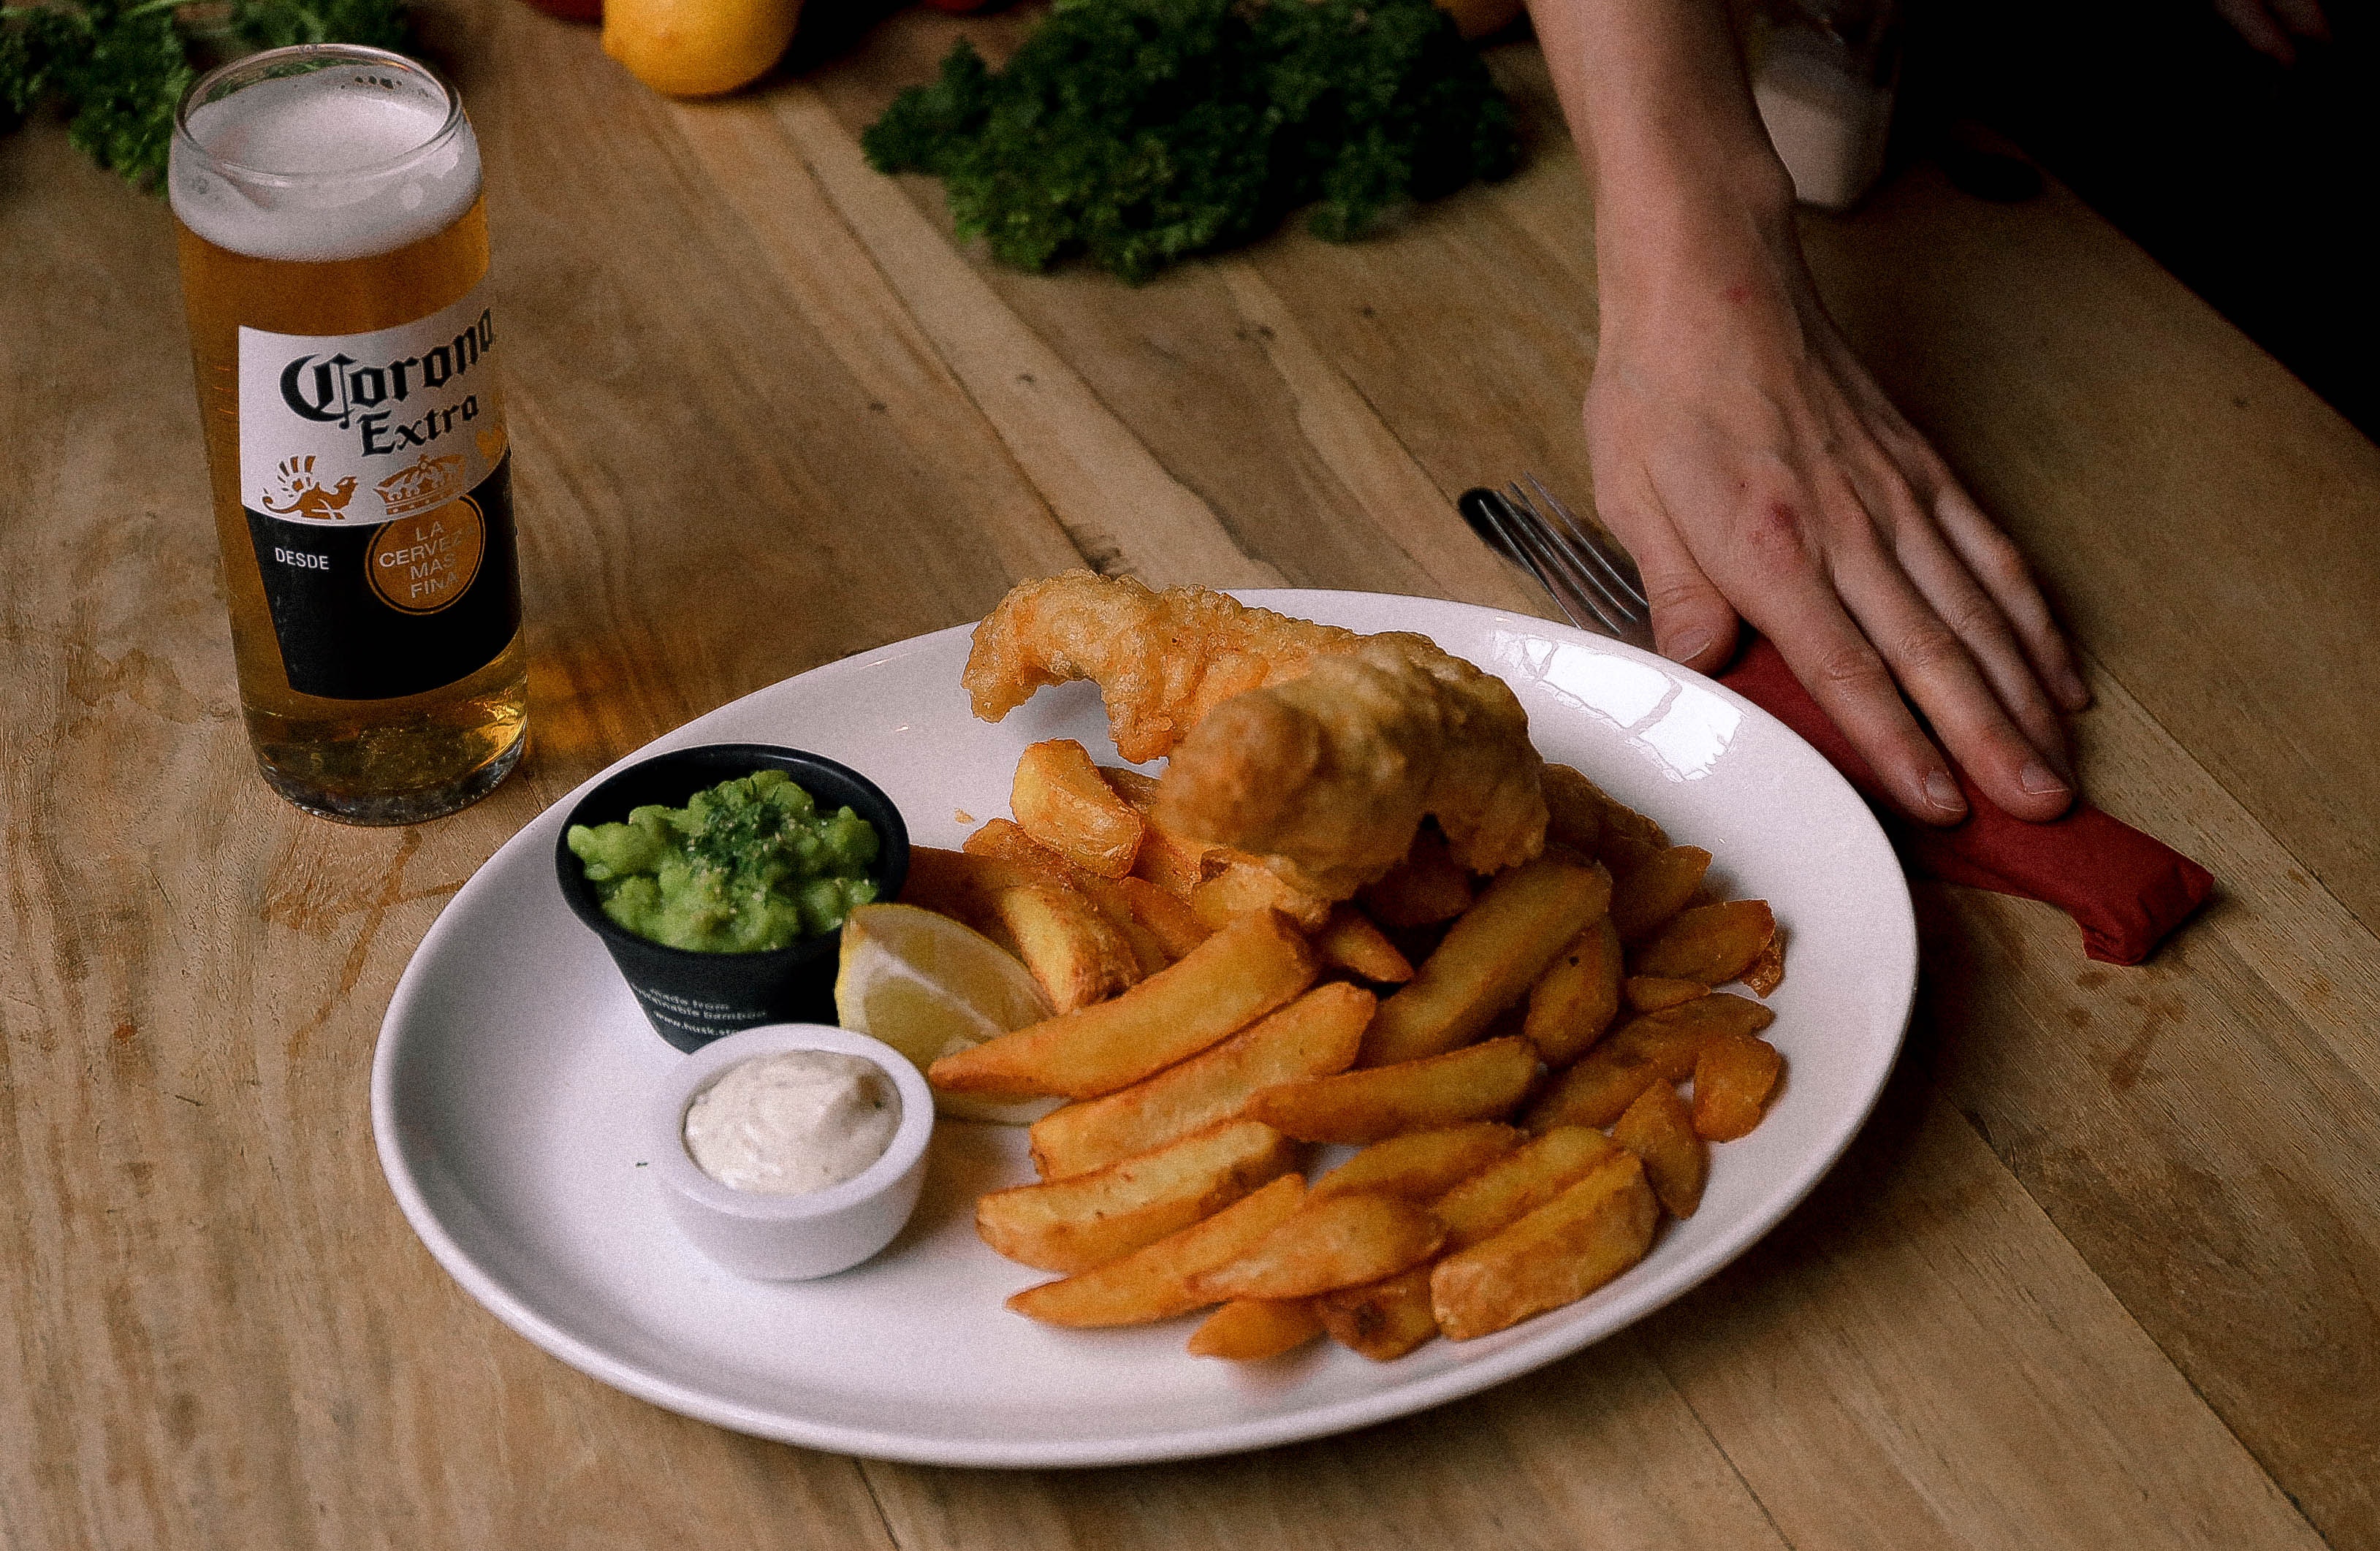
[
  {"x": 1317, "y": 748},
  {"x": 1162, "y": 660}
]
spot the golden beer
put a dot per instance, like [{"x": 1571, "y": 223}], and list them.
[{"x": 334, "y": 259}]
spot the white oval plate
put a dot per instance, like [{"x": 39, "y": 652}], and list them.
[{"x": 512, "y": 1065}]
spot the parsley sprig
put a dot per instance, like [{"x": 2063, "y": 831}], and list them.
[
  {"x": 117, "y": 68},
  {"x": 1138, "y": 132}
]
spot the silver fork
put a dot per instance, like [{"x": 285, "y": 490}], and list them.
[{"x": 1591, "y": 578}]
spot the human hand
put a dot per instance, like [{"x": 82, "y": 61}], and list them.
[
  {"x": 2273, "y": 27},
  {"x": 1757, "y": 471}
]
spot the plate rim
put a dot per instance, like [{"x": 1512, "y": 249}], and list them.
[{"x": 492, "y": 1293}]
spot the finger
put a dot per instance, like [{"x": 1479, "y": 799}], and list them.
[
  {"x": 2254, "y": 24},
  {"x": 1933, "y": 666},
  {"x": 1994, "y": 561},
  {"x": 1953, "y": 594},
  {"x": 2302, "y": 18},
  {"x": 1693, "y": 623}
]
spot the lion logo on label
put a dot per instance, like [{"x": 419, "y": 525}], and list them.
[{"x": 307, "y": 495}]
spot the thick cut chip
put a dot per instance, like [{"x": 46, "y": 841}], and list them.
[
  {"x": 1168, "y": 919},
  {"x": 1573, "y": 810},
  {"x": 1734, "y": 1074},
  {"x": 1148, "y": 949},
  {"x": 1313, "y": 1037},
  {"x": 1427, "y": 887},
  {"x": 1646, "y": 896},
  {"x": 1383, "y": 1320},
  {"x": 1227, "y": 982},
  {"x": 1005, "y": 842},
  {"x": 1153, "y": 1283},
  {"x": 961, "y": 885},
  {"x": 1711, "y": 943},
  {"x": 1670, "y": 1040},
  {"x": 1421, "y": 1165},
  {"x": 1767, "y": 972},
  {"x": 1251, "y": 1330},
  {"x": 1170, "y": 861},
  {"x": 1349, "y": 940},
  {"x": 1075, "y": 1224},
  {"x": 1596, "y": 1089},
  {"x": 1339, "y": 1242},
  {"x": 1234, "y": 885},
  {"x": 1651, "y": 993},
  {"x": 1068, "y": 942},
  {"x": 1063, "y": 801},
  {"x": 1576, "y": 997},
  {"x": 1489, "y": 958},
  {"x": 1556, "y": 1254},
  {"x": 1479, "y": 1083},
  {"x": 1658, "y": 1129},
  {"x": 1519, "y": 1184}
]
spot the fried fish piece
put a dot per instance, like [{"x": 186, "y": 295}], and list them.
[{"x": 1318, "y": 748}]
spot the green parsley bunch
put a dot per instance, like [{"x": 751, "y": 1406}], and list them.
[
  {"x": 1138, "y": 132},
  {"x": 117, "y": 68}
]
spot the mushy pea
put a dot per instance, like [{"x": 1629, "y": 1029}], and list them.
[{"x": 745, "y": 867}]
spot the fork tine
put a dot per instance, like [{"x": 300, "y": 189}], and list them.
[
  {"x": 1618, "y": 564},
  {"x": 1575, "y": 562},
  {"x": 1517, "y": 537}
]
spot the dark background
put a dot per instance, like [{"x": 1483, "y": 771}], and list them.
[{"x": 2250, "y": 180}]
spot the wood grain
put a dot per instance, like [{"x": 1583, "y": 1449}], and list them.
[{"x": 2099, "y": 1274}]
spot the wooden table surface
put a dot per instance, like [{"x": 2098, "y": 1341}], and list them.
[{"x": 2103, "y": 1272}]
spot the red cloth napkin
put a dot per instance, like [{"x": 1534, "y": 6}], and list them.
[{"x": 2126, "y": 890}]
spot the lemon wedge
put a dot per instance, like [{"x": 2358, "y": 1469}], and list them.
[
  {"x": 697, "y": 48},
  {"x": 927, "y": 986}
]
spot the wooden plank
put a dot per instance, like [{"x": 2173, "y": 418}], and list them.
[{"x": 2204, "y": 1129}]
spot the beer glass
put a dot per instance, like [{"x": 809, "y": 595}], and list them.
[{"x": 335, "y": 264}]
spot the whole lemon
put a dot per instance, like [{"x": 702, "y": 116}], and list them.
[{"x": 697, "y": 48}]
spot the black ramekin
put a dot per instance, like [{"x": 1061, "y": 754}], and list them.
[{"x": 692, "y": 998}]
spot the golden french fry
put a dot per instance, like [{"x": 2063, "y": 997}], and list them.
[
  {"x": 1427, "y": 887},
  {"x": 1556, "y": 1254},
  {"x": 1062, "y": 800},
  {"x": 1488, "y": 959},
  {"x": 1148, "y": 949},
  {"x": 1350, "y": 942},
  {"x": 960, "y": 886},
  {"x": 1313, "y": 1037},
  {"x": 1711, "y": 943},
  {"x": 1007, "y": 842},
  {"x": 1477, "y": 1083},
  {"x": 1339, "y": 1242},
  {"x": 1670, "y": 1040},
  {"x": 1075, "y": 1224},
  {"x": 1251, "y": 1330},
  {"x": 1520, "y": 1182},
  {"x": 1383, "y": 1320},
  {"x": 1575, "y": 1000},
  {"x": 1068, "y": 941},
  {"x": 1172, "y": 861},
  {"x": 1658, "y": 1129},
  {"x": 1168, "y": 919},
  {"x": 1596, "y": 1090},
  {"x": 1734, "y": 1074},
  {"x": 1420, "y": 1165},
  {"x": 1153, "y": 1283},
  {"x": 1573, "y": 810},
  {"x": 1651, "y": 993},
  {"x": 1646, "y": 896},
  {"x": 1257, "y": 963},
  {"x": 1234, "y": 884},
  {"x": 1767, "y": 972}
]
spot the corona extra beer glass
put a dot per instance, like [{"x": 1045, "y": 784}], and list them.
[{"x": 334, "y": 271}]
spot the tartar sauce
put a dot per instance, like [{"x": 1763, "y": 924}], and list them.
[{"x": 793, "y": 1123}]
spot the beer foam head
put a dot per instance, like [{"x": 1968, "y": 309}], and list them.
[{"x": 339, "y": 163}]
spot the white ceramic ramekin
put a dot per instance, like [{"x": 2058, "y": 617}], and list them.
[{"x": 789, "y": 1238}]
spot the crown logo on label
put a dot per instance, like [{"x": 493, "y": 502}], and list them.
[{"x": 421, "y": 485}]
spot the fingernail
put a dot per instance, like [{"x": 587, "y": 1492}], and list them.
[
  {"x": 2040, "y": 779},
  {"x": 1943, "y": 791},
  {"x": 1688, "y": 647}
]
